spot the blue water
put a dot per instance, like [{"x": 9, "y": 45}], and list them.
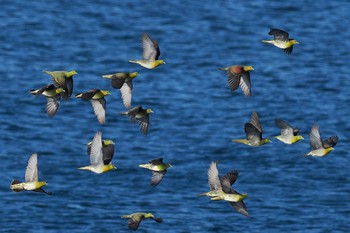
[{"x": 195, "y": 118}]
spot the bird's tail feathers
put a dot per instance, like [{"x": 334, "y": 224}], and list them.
[
  {"x": 267, "y": 41},
  {"x": 15, "y": 189}
]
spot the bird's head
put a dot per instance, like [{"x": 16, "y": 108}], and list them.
[
  {"x": 248, "y": 68},
  {"x": 292, "y": 41},
  {"x": 71, "y": 73},
  {"x": 105, "y": 92},
  {"x": 40, "y": 184},
  {"x": 108, "y": 142},
  {"x": 59, "y": 90},
  {"x": 148, "y": 110},
  {"x": 148, "y": 215},
  {"x": 133, "y": 74},
  {"x": 161, "y": 62},
  {"x": 298, "y": 137}
]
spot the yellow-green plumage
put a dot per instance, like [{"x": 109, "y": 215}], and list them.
[
  {"x": 320, "y": 147},
  {"x": 281, "y": 40},
  {"x": 97, "y": 161},
  {"x": 98, "y": 102},
  {"x": 53, "y": 95},
  {"x": 151, "y": 53},
  {"x": 63, "y": 79},
  {"x": 253, "y": 132},
  {"x": 32, "y": 182},
  {"x": 135, "y": 219},
  {"x": 289, "y": 134},
  {"x": 142, "y": 117},
  {"x": 158, "y": 168},
  {"x": 123, "y": 82}
]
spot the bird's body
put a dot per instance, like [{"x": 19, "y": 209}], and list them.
[
  {"x": 253, "y": 132},
  {"x": 151, "y": 53},
  {"x": 281, "y": 40},
  {"x": 123, "y": 82},
  {"x": 142, "y": 117},
  {"x": 135, "y": 219},
  {"x": 158, "y": 168},
  {"x": 53, "y": 95},
  {"x": 220, "y": 189},
  {"x": 320, "y": 148},
  {"x": 289, "y": 135},
  {"x": 100, "y": 162},
  {"x": 32, "y": 182},
  {"x": 239, "y": 76},
  {"x": 98, "y": 102},
  {"x": 63, "y": 79}
]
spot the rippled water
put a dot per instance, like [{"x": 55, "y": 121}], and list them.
[{"x": 195, "y": 118}]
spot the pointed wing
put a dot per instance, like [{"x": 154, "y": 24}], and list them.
[
  {"x": 315, "y": 138},
  {"x": 245, "y": 83},
  {"x": 279, "y": 34},
  {"x": 233, "y": 80},
  {"x": 286, "y": 129},
  {"x": 288, "y": 50},
  {"x": 330, "y": 142},
  {"x": 68, "y": 87},
  {"x": 96, "y": 155},
  {"x": 133, "y": 112},
  {"x": 108, "y": 152},
  {"x": 32, "y": 169},
  {"x": 133, "y": 223},
  {"x": 252, "y": 133},
  {"x": 99, "y": 107},
  {"x": 228, "y": 180},
  {"x": 52, "y": 105},
  {"x": 126, "y": 93},
  {"x": 254, "y": 120},
  {"x": 158, "y": 161},
  {"x": 240, "y": 208},
  {"x": 157, "y": 219},
  {"x": 149, "y": 48},
  {"x": 157, "y": 177},
  {"x": 213, "y": 177},
  {"x": 144, "y": 124}
]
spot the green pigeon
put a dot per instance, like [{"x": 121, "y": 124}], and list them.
[
  {"x": 320, "y": 147},
  {"x": 239, "y": 76},
  {"x": 63, "y": 79},
  {"x": 98, "y": 102},
  {"x": 141, "y": 115},
  {"x": 53, "y": 95},
  {"x": 32, "y": 182},
  {"x": 158, "y": 168},
  {"x": 281, "y": 40},
  {"x": 100, "y": 162},
  {"x": 289, "y": 135},
  {"x": 151, "y": 53},
  {"x": 253, "y": 132},
  {"x": 136, "y": 218},
  {"x": 123, "y": 82}
]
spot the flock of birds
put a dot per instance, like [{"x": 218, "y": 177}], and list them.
[{"x": 101, "y": 151}]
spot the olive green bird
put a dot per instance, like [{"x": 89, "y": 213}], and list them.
[
  {"x": 281, "y": 40},
  {"x": 253, "y": 132},
  {"x": 158, "y": 168},
  {"x": 123, "y": 82},
  {"x": 217, "y": 188},
  {"x": 320, "y": 147},
  {"x": 136, "y": 218},
  {"x": 98, "y": 102},
  {"x": 53, "y": 95},
  {"x": 151, "y": 53},
  {"x": 141, "y": 115},
  {"x": 63, "y": 79},
  {"x": 289, "y": 134},
  {"x": 32, "y": 182},
  {"x": 239, "y": 76},
  {"x": 100, "y": 162}
]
